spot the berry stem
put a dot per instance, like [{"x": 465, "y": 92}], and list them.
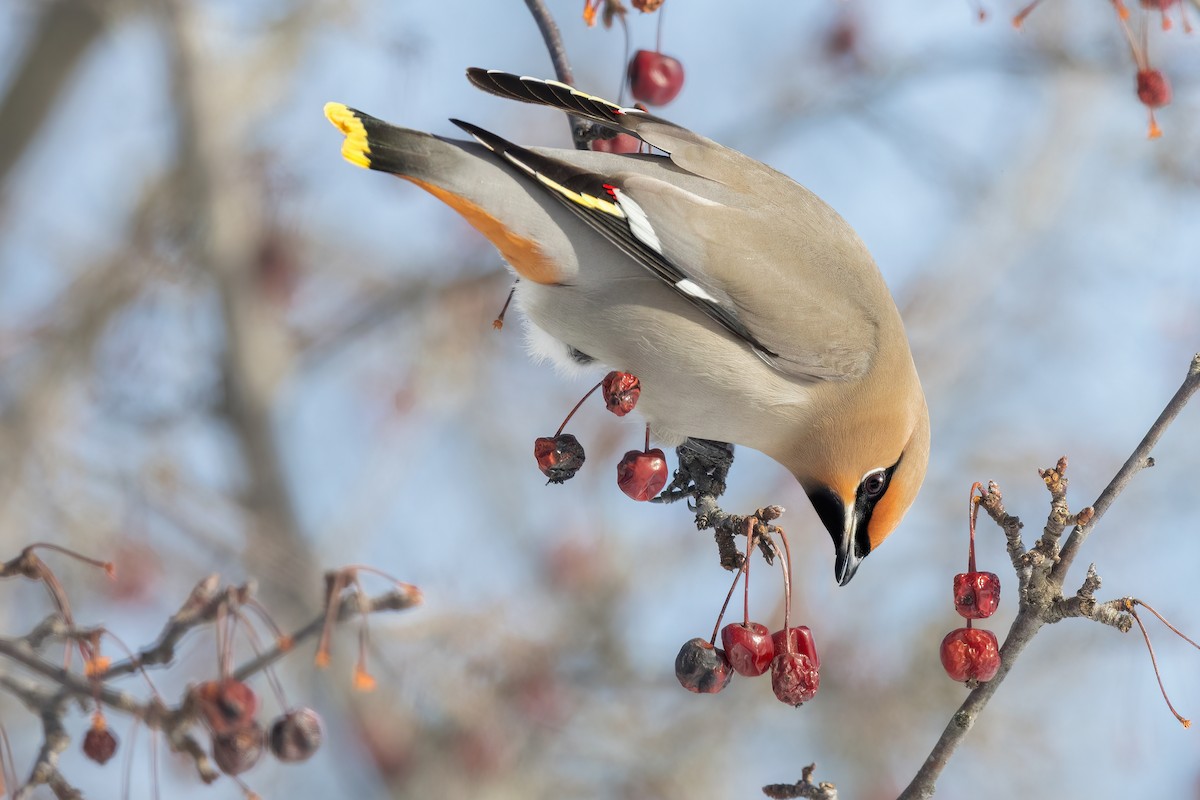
[
  {"x": 1129, "y": 606},
  {"x": 624, "y": 61},
  {"x": 109, "y": 569},
  {"x": 751, "y": 524},
  {"x": 1163, "y": 620},
  {"x": 580, "y": 403},
  {"x": 363, "y": 681},
  {"x": 127, "y": 767},
  {"x": 333, "y": 602},
  {"x": 974, "y": 514},
  {"x": 786, "y": 565},
  {"x": 6, "y": 758},
  {"x": 498, "y": 322},
  {"x": 256, "y": 646},
  {"x": 658, "y": 33},
  {"x": 717, "y": 628}
]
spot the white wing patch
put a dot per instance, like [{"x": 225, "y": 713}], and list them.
[
  {"x": 690, "y": 287},
  {"x": 639, "y": 223}
]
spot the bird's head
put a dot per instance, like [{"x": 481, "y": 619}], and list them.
[{"x": 863, "y": 472}]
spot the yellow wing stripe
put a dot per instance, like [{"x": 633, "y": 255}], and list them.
[
  {"x": 355, "y": 149},
  {"x": 585, "y": 200}
]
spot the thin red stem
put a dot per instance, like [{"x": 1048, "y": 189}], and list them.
[
  {"x": 1154, "y": 663},
  {"x": 580, "y": 403},
  {"x": 624, "y": 63},
  {"x": 786, "y": 565},
  {"x": 6, "y": 761},
  {"x": 974, "y": 514},
  {"x": 332, "y": 604},
  {"x": 729, "y": 596},
  {"x": 107, "y": 566},
  {"x": 256, "y": 646},
  {"x": 498, "y": 322},
  {"x": 750, "y": 531},
  {"x": 658, "y": 33},
  {"x": 127, "y": 767},
  {"x": 133, "y": 659},
  {"x": 1163, "y": 620}
]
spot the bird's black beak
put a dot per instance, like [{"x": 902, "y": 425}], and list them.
[
  {"x": 848, "y": 558},
  {"x": 843, "y": 529}
]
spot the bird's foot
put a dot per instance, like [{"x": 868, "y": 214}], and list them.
[{"x": 703, "y": 467}]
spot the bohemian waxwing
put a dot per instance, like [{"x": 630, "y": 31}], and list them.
[{"x": 750, "y": 311}]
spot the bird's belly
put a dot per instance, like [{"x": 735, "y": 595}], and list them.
[{"x": 697, "y": 380}]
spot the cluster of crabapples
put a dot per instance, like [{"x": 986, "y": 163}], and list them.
[
  {"x": 654, "y": 78},
  {"x": 750, "y": 649},
  {"x": 229, "y": 710},
  {"x": 971, "y": 653},
  {"x": 1153, "y": 88},
  {"x": 641, "y": 474}
]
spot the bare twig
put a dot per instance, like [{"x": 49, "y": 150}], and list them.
[
  {"x": 703, "y": 467},
  {"x": 176, "y": 722},
  {"x": 1041, "y": 572},
  {"x": 802, "y": 788},
  {"x": 1137, "y": 461},
  {"x": 582, "y": 131}
]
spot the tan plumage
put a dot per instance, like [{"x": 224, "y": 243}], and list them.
[{"x": 750, "y": 311}]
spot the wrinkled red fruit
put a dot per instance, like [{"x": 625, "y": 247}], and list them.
[
  {"x": 702, "y": 668},
  {"x": 801, "y": 641},
  {"x": 642, "y": 475},
  {"x": 99, "y": 744},
  {"x": 621, "y": 143},
  {"x": 794, "y": 678},
  {"x": 558, "y": 457},
  {"x": 1153, "y": 88},
  {"x": 655, "y": 78},
  {"x": 976, "y": 594},
  {"x": 970, "y": 653},
  {"x": 226, "y": 705},
  {"x": 296, "y": 735},
  {"x": 748, "y": 647},
  {"x": 621, "y": 391},
  {"x": 237, "y": 751}
]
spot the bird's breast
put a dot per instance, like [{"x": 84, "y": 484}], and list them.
[{"x": 697, "y": 380}]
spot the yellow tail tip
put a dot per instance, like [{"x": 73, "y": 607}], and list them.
[{"x": 355, "y": 149}]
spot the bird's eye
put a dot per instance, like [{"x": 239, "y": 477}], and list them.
[{"x": 874, "y": 484}]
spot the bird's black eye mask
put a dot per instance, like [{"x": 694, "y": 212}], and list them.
[{"x": 872, "y": 489}]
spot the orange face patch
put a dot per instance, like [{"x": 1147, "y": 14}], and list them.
[{"x": 523, "y": 254}]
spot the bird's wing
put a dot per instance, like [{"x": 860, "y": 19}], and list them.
[
  {"x": 726, "y": 261},
  {"x": 759, "y": 253},
  {"x": 689, "y": 150}
]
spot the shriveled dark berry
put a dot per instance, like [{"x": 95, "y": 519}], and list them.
[
  {"x": 621, "y": 391},
  {"x": 237, "y": 751},
  {"x": 797, "y": 639},
  {"x": 296, "y": 735},
  {"x": 702, "y": 668},
  {"x": 99, "y": 743},
  {"x": 976, "y": 594},
  {"x": 794, "y": 678},
  {"x": 226, "y": 705},
  {"x": 558, "y": 457},
  {"x": 970, "y": 653}
]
